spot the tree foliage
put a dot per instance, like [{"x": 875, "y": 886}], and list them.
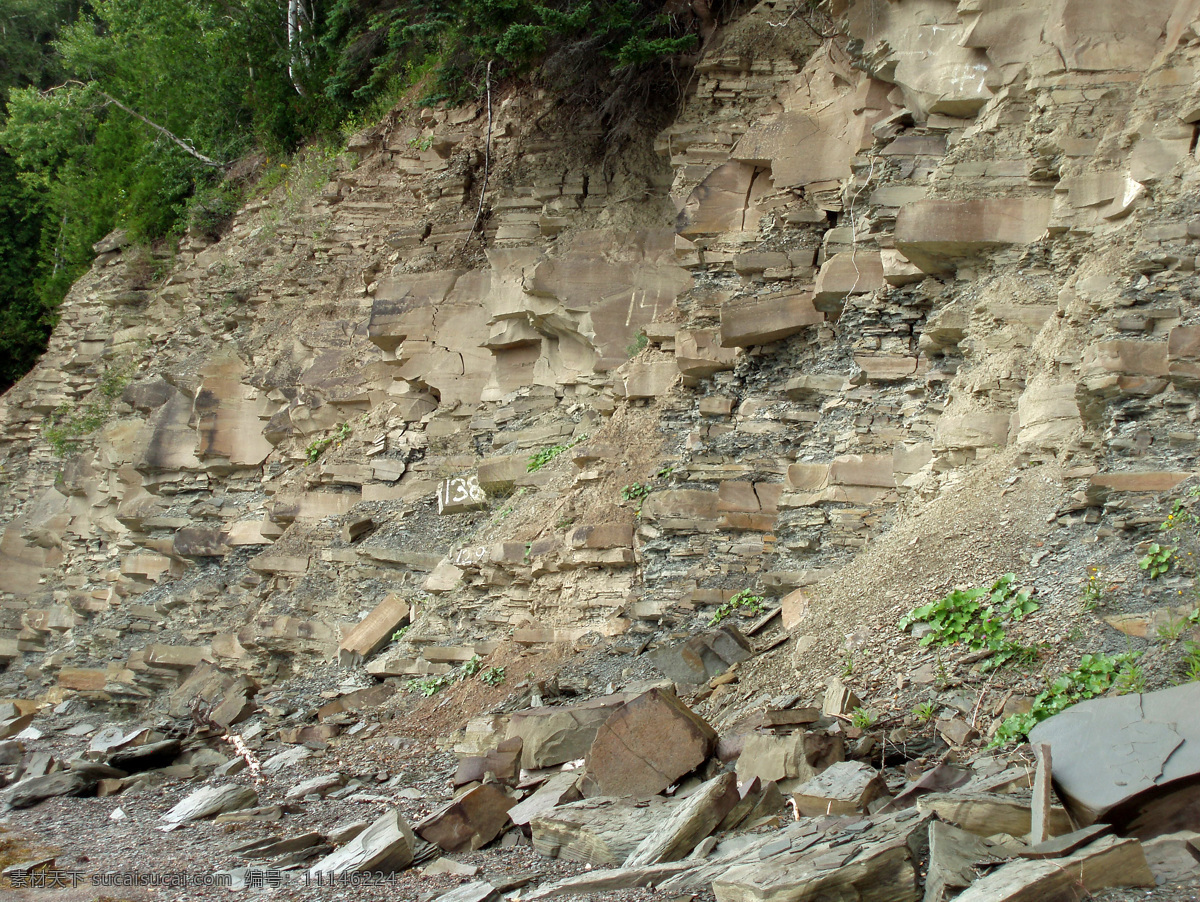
[{"x": 116, "y": 110}]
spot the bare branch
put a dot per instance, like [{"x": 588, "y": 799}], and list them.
[{"x": 183, "y": 145}]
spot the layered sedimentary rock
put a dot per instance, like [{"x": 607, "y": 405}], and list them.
[{"x": 729, "y": 355}]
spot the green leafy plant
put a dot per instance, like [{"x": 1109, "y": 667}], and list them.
[
  {"x": 635, "y": 491},
  {"x": 432, "y": 685},
  {"x": 472, "y": 666},
  {"x": 422, "y": 143},
  {"x": 863, "y": 718},
  {"x": 975, "y": 618},
  {"x": 923, "y": 712},
  {"x": 65, "y": 429},
  {"x": 539, "y": 459},
  {"x": 1130, "y": 678},
  {"x": 315, "y": 449},
  {"x": 638, "y": 345},
  {"x": 744, "y": 601},
  {"x": 493, "y": 676},
  {"x": 1191, "y": 661},
  {"x": 399, "y": 634},
  {"x": 1173, "y": 629},
  {"x": 1094, "y": 676},
  {"x": 1157, "y": 560}
]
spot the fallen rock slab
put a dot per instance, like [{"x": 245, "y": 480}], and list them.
[
  {"x": 480, "y": 891},
  {"x": 693, "y": 819},
  {"x": 210, "y": 801},
  {"x": 846, "y": 787},
  {"x": 610, "y": 879},
  {"x": 954, "y": 856},
  {"x": 469, "y": 822},
  {"x": 1174, "y": 856},
  {"x": 137, "y": 758},
  {"x": 600, "y": 832},
  {"x": 702, "y": 657},
  {"x": 385, "y": 846},
  {"x": 1106, "y": 863},
  {"x": 373, "y": 631},
  {"x": 797, "y": 755},
  {"x": 560, "y": 789},
  {"x": 986, "y": 814},
  {"x": 32, "y": 790},
  {"x": 552, "y": 736},
  {"x": 875, "y": 862},
  {"x": 1132, "y": 761},
  {"x": 646, "y": 745}
]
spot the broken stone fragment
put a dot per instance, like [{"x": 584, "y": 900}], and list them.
[
  {"x": 31, "y": 790},
  {"x": 137, "y": 758},
  {"x": 986, "y": 814},
  {"x": 469, "y": 822},
  {"x": 385, "y": 846},
  {"x": 321, "y": 786},
  {"x": 692, "y": 820},
  {"x": 1132, "y": 760},
  {"x": 560, "y": 789},
  {"x": 798, "y": 755},
  {"x": 502, "y": 762},
  {"x": 802, "y": 864},
  {"x": 839, "y": 700},
  {"x": 954, "y": 858},
  {"x": 373, "y": 631},
  {"x": 846, "y": 787},
  {"x": 556, "y": 735},
  {"x": 209, "y": 801},
  {"x": 1106, "y": 863},
  {"x": 702, "y": 657},
  {"x": 646, "y": 745},
  {"x": 480, "y": 891},
  {"x": 599, "y": 832}
]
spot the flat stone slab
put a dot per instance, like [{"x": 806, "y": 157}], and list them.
[{"x": 1132, "y": 761}]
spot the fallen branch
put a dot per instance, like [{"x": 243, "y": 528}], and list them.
[{"x": 179, "y": 142}]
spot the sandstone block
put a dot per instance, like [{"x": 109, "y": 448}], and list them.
[
  {"x": 796, "y": 755},
  {"x": 691, "y": 821},
  {"x": 468, "y": 823},
  {"x": 936, "y": 235},
  {"x": 845, "y": 787},
  {"x": 647, "y": 744},
  {"x": 385, "y": 846},
  {"x": 556, "y": 735},
  {"x": 860, "y": 272},
  {"x": 767, "y": 318},
  {"x": 682, "y": 509},
  {"x": 373, "y": 631},
  {"x": 1101, "y": 777},
  {"x": 460, "y": 494}
]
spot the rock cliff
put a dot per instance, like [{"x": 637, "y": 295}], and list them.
[{"x": 905, "y": 296}]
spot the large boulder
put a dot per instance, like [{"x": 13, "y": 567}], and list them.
[
  {"x": 1132, "y": 761},
  {"x": 646, "y": 745}
]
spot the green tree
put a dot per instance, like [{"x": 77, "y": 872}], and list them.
[{"x": 27, "y": 59}]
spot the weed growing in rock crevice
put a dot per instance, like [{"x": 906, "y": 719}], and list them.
[
  {"x": 1094, "y": 676},
  {"x": 744, "y": 600},
  {"x": 69, "y": 424},
  {"x": 318, "y": 447},
  {"x": 539, "y": 459}
]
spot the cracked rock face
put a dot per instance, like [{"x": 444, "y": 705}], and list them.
[{"x": 1133, "y": 760}]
